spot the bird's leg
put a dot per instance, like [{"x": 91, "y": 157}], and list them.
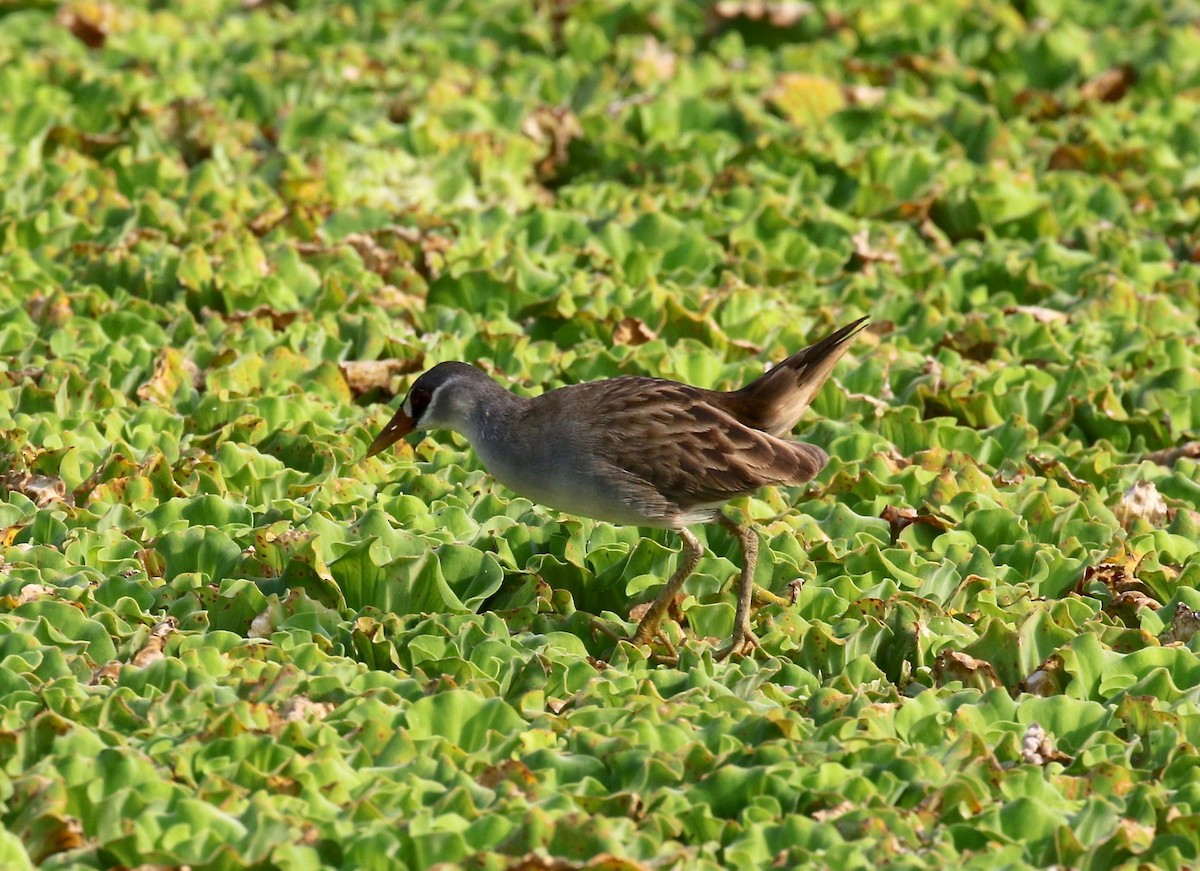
[
  {"x": 744, "y": 639},
  {"x": 648, "y": 627}
]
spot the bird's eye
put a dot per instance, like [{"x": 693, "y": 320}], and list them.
[{"x": 418, "y": 401}]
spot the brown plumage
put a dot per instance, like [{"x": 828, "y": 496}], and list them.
[
  {"x": 684, "y": 442},
  {"x": 634, "y": 450}
]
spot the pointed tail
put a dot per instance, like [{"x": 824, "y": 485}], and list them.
[{"x": 775, "y": 401}]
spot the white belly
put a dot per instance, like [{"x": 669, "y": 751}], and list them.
[{"x": 573, "y": 491}]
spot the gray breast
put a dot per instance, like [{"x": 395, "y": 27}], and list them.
[{"x": 547, "y": 458}]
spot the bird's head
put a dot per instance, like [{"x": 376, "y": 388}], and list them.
[{"x": 442, "y": 398}]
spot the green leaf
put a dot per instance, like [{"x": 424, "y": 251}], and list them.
[{"x": 464, "y": 719}]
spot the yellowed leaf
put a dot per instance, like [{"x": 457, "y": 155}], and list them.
[
  {"x": 805, "y": 99},
  {"x": 171, "y": 369}
]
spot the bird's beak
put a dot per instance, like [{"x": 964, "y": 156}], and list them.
[{"x": 398, "y": 427}]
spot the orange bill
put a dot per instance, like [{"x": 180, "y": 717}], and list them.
[{"x": 398, "y": 427}]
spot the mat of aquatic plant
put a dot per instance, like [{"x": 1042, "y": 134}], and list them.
[{"x": 230, "y": 234}]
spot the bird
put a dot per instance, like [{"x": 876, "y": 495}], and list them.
[{"x": 636, "y": 450}]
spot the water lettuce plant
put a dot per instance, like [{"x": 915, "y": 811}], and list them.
[{"x": 229, "y": 234}]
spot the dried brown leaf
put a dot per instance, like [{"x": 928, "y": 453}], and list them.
[
  {"x": 152, "y": 650},
  {"x": 55, "y": 834},
  {"x": 654, "y": 63},
  {"x": 864, "y": 95},
  {"x": 1184, "y": 625},
  {"x": 152, "y": 563},
  {"x": 33, "y": 592},
  {"x": 511, "y": 771},
  {"x": 868, "y": 255},
  {"x": 374, "y": 256},
  {"x": 637, "y": 612},
  {"x": 826, "y": 814},
  {"x": 1170, "y": 456},
  {"x": 43, "y": 490},
  {"x": 951, "y": 665},
  {"x": 895, "y": 460},
  {"x": 600, "y": 862},
  {"x": 280, "y": 320},
  {"x": 1109, "y": 86},
  {"x": 48, "y": 310},
  {"x": 1067, "y": 158},
  {"x": 89, "y": 22},
  {"x": 752, "y": 349},
  {"x": 299, "y": 708},
  {"x": 1052, "y": 467},
  {"x": 616, "y": 107},
  {"x": 1039, "y": 313},
  {"x": 899, "y": 519},
  {"x": 555, "y": 127},
  {"x": 1039, "y": 105},
  {"x": 632, "y": 331},
  {"x": 105, "y": 674},
  {"x": 1142, "y": 501},
  {"x": 1117, "y": 573},
  {"x": 171, "y": 369},
  {"x": 1128, "y": 603},
  {"x": 777, "y": 13},
  {"x": 363, "y": 376}
]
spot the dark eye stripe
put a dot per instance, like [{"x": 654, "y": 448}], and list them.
[{"x": 418, "y": 401}]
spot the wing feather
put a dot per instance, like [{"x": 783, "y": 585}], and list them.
[{"x": 678, "y": 440}]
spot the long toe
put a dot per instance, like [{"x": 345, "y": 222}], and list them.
[
  {"x": 743, "y": 643},
  {"x": 646, "y": 630},
  {"x": 646, "y": 635}
]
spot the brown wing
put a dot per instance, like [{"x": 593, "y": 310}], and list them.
[{"x": 673, "y": 437}]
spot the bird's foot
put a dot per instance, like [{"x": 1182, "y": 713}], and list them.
[
  {"x": 644, "y": 636},
  {"x": 743, "y": 643},
  {"x": 671, "y": 657}
]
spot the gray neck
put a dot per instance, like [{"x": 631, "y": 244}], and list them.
[
  {"x": 492, "y": 424},
  {"x": 491, "y": 417}
]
